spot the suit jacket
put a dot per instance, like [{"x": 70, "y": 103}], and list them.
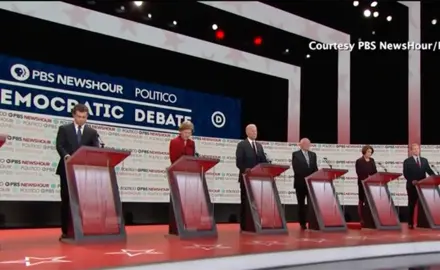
[
  {"x": 246, "y": 158},
  {"x": 412, "y": 171},
  {"x": 67, "y": 143},
  {"x": 178, "y": 148},
  {"x": 301, "y": 169}
]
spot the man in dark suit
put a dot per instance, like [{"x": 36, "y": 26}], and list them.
[
  {"x": 248, "y": 154},
  {"x": 415, "y": 168},
  {"x": 70, "y": 138},
  {"x": 304, "y": 163}
]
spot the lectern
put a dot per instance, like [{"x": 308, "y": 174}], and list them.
[
  {"x": 265, "y": 213},
  {"x": 428, "y": 212},
  {"x": 379, "y": 210},
  {"x": 192, "y": 209},
  {"x": 3, "y": 139},
  {"x": 325, "y": 213},
  {"x": 95, "y": 205}
]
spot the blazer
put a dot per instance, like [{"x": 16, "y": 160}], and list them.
[
  {"x": 178, "y": 148},
  {"x": 67, "y": 143},
  {"x": 246, "y": 158},
  {"x": 300, "y": 168},
  {"x": 412, "y": 171},
  {"x": 364, "y": 169}
]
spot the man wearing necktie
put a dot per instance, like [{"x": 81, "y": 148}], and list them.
[
  {"x": 304, "y": 163},
  {"x": 70, "y": 138},
  {"x": 415, "y": 169},
  {"x": 249, "y": 153}
]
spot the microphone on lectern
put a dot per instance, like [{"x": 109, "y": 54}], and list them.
[
  {"x": 383, "y": 167},
  {"x": 101, "y": 142},
  {"x": 268, "y": 159},
  {"x": 434, "y": 169},
  {"x": 328, "y": 162}
]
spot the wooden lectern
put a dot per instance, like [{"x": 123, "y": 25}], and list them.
[
  {"x": 192, "y": 209},
  {"x": 325, "y": 213},
  {"x": 428, "y": 212},
  {"x": 265, "y": 210},
  {"x": 379, "y": 210},
  {"x": 96, "y": 210}
]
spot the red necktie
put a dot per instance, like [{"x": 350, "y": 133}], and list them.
[{"x": 418, "y": 161}]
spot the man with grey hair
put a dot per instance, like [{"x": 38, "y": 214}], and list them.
[
  {"x": 304, "y": 163},
  {"x": 249, "y": 153},
  {"x": 415, "y": 169}
]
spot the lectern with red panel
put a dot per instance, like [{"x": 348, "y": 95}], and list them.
[
  {"x": 265, "y": 212},
  {"x": 192, "y": 210},
  {"x": 3, "y": 139},
  {"x": 95, "y": 205},
  {"x": 428, "y": 214},
  {"x": 379, "y": 210},
  {"x": 325, "y": 213}
]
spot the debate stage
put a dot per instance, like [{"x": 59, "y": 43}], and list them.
[{"x": 40, "y": 248}]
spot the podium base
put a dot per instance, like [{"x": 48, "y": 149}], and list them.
[
  {"x": 267, "y": 232},
  {"x": 95, "y": 239}
]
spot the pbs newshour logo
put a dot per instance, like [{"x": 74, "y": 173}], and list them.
[{"x": 20, "y": 72}]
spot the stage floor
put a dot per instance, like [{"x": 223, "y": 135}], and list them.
[{"x": 40, "y": 248}]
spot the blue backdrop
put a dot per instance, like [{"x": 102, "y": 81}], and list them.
[{"x": 52, "y": 90}]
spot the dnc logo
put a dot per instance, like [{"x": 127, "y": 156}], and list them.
[{"x": 20, "y": 72}]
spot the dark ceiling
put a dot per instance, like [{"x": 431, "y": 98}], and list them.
[{"x": 379, "y": 79}]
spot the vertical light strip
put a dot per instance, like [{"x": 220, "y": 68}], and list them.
[{"x": 414, "y": 62}]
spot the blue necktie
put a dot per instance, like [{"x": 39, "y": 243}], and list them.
[{"x": 79, "y": 135}]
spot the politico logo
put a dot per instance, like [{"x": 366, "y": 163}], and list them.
[{"x": 20, "y": 72}]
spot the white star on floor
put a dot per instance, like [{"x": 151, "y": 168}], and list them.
[
  {"x": 267, "y": 243},
  {"x": 31, "y": 261},
  {"x": 314, "y": 240},
  {"x": 207, "y": 247},
  {"x": 134, "y": 253}
]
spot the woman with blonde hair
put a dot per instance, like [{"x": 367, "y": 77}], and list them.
[{"x": 182, "y": 145}]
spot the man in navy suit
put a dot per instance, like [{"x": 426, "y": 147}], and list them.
[
  {"x": 70, "y": 138},
  {"x": 415, "y": 169}
]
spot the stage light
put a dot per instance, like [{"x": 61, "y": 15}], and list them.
[
  {"x": 174, "y": 22},
  {"x": 367, "y": 13},
  {"x": 308, "y": 56},
  {"x": 214, "y": 27},
  {"x": 434, "y": 21},
  {"x": 219, "y": 34},
  {"x": 150, "y": 16},
  {"x": 355, "y": 3},
  {"x": 374, "y": 32},
  {"x": 376, "y": 14},
  {"x": 286, "y": 51},
  {"x": 138, "y": 3},
  {"x": 373, "y": 4},
  {"x": 389, "y": 18},
  {"x": 121, "y": 9},
  {"x": 258, "y": 41}
]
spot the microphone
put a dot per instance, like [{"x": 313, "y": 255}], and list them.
[
  {"x": 101, "y": 142},
  {"x": 434, "y": 168},
  {"x": 328, "y": 163},
  {"x": 268, "y": 159},
  {"x": 383, "y": 167},
  {"x": 196, "y": 154}
]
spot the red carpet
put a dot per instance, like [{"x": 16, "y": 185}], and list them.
[{"x": 40, "y": 249}]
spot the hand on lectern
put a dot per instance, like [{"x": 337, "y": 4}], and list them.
[{"x": 66, "y": 157}]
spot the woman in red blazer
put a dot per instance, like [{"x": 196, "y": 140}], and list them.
[{"x": 182, "y": 145}]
